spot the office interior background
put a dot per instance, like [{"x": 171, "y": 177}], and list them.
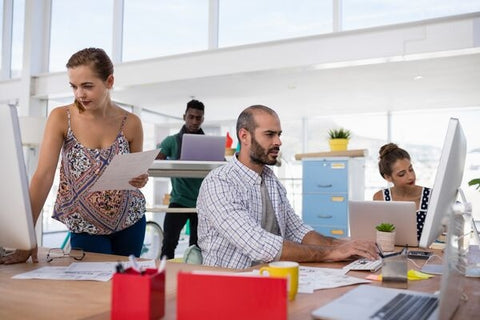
[{"x": 389, "y": 71}]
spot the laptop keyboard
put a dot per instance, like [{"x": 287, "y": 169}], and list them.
[
  {"x": 407, "y": 306},
  {"x": 364, "y": 265}
]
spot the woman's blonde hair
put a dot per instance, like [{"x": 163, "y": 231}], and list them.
[{"x": 95, "y": 58}]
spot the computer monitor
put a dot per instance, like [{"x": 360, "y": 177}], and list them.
[
  {"x": 16, "y": 221},
  {"x": 447, "y": 182}
]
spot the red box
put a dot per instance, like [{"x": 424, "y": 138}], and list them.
[
  {"x": 221, "y": 296},
  {"x": 138, "y": 296}
]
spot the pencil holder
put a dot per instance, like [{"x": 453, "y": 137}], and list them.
[{"x": 138, "y": 296}]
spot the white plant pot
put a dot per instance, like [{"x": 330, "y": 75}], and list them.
[{"x": 386, "y": 240}]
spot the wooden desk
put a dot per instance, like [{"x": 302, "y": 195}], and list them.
[{"x": 54, "y": 299}]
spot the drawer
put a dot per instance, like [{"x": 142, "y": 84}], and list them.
[
  {"x": 325, "y": 209},
  {"x": 325, "y": 176},
  {"x": 332, "y": 231}
]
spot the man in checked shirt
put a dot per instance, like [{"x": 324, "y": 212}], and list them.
[{"x": 244, "y": 216}]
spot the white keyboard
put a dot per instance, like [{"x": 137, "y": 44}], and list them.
[{"x": 364, "y": 265}]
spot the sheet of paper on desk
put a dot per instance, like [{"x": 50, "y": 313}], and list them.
[
  {"x": 93, "y": 271},
  {"x": 312, "y": 278},
  {"x": 123, "y": 168},
  {"x": 60, "y": 273},
  {"x": 100, "y": 267}
]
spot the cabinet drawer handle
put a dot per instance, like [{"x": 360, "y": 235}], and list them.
[
  {"x": 324, "y": 185},
  {"x": 324, "y": 216}
]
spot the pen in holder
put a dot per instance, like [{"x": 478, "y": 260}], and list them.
[
  {"x": 138, "y": 295},
  {"x": 395, "y": 269}
]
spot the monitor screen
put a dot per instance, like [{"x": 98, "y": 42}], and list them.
[
  {"x": 16, "y": 221},
  {"x": 447, "y": 181}
]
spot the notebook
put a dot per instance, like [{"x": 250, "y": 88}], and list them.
[
  {"x": 200, "y": 147},
  {"x": 376, "y": 302},
  {"x": 365, "y": 215}
]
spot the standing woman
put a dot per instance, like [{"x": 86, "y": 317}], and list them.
[
  {"x": 89, "y": 133},
  {"x": 395, "y": 166}
]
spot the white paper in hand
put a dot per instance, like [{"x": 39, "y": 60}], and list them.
[{"x": 123, "y": 168}]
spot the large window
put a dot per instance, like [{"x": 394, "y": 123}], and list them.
[
  {"x": 250, "y": 21},
  {"x": 77, "y": 25},
  {"x": 155, "y": 28},
  {"x": 17, "y": 38},
  {"x": 1, "y": 32},
  {"x": 363, "y": 14},
  {"x": 422, "y": 134}
]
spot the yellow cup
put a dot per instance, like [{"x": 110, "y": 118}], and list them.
[{"x": 284, "y": 269}]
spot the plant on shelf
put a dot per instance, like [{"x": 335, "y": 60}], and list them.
[
  {"x": 339, "y": 133},
  {"x": 386, "y": 236},
  {"x": 339, "y": 139}
]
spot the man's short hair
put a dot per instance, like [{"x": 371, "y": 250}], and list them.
[
  {"x": 246, "y": 118},
  {"x": 195, "y": 104}
]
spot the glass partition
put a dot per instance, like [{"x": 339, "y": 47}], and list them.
[
  {"x": 250, "y": 21},
  {"x": 17, "y": 38},
  {"x": 160, "y": 28},
  {"x": 359, "y": 14},
  {"x": 79, "y": 24}
]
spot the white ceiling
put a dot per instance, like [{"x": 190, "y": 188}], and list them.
[{"x": 449, "y": 82}]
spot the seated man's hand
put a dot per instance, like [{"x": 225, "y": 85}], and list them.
[
  {"x": 354, "y": 248},
  {"x": 20, "y": 256}
]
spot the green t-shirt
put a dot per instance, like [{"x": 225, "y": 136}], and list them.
[{"x": 184, "y": 190}]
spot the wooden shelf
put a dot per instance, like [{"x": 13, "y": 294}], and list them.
[{"x": 346, "y": 153}]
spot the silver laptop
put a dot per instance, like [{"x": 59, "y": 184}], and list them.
[
  {"x": 200, "y": 147},
  {"x": 376, "y": 302},
  {"x": 365, "y": 215}
]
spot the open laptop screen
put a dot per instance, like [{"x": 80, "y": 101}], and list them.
[
  {"x": 365, "y": 215},
  {"x": 201, "y": 147}
]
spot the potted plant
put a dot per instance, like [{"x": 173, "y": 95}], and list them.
[
  {"x": 386, "y": 236},
  {"x": 339, "y": 139}
]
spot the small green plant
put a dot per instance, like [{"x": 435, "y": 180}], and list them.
[
  {"x": 475, "y": 182},
  {"x": 385, "y": 227},
  {"x": 339, "y": 133}
]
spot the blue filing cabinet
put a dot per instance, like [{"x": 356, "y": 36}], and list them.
[{"x": 328, "y": 184}]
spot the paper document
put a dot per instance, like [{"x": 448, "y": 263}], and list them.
[
  {"x": 93, "y": 271},
  {"x": 123, "y": 168},
  {"x": 313, "y": 278}
]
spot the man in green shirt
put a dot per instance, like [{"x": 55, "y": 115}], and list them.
[{"x": 184, "y": 190}]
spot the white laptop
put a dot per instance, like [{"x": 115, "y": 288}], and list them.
[
  {"x": 365, "y": 215},
  {"x": 200, "y": 147}
]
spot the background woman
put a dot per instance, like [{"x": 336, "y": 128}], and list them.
[{"x": 395, "y": 166}]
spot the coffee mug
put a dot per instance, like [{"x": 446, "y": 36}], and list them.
[{"x": 284, "y": 269}]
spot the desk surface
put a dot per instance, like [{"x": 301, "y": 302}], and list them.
[{"x": 55, "y": 299}]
